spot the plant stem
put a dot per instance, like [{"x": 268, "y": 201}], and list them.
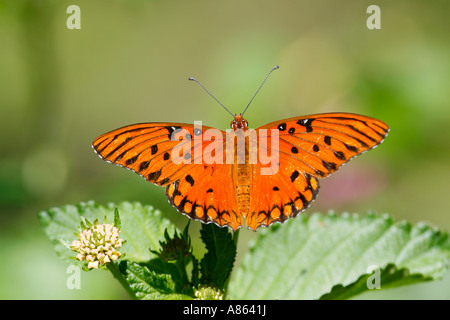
[
  {"x": 113, "y": 267},
  {"x": 235, "y": 241},
  {"x": 236, "y": 237},
  {"x": 181, "y": 264}
]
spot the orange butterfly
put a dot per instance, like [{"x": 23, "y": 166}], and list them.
[{"x": 224, "y": 177}]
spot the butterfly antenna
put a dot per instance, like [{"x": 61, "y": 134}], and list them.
[
  {"x": 274, "y": 68},
  {"x": 193, "y": 79}
]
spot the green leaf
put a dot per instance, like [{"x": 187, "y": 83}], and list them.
[
  {"x": 218, "y": 262},
  {"x": 148, "y": 284},
  {"x": 390, "y": 276},
  {"x": 117, "y": 222},
  {"x": 331, "y": 256},
  {"x": 142, "y": 227}
]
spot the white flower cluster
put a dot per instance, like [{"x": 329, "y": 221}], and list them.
[
  {"x": 98, "y": 245},
  {"x": 208, "y": 293}
]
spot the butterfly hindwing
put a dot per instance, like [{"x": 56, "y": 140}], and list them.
[
  {"x": 204, "y": 194},
  {"x": 280, "y": 196}
]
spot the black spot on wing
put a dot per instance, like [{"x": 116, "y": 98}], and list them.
[
  {"x": 319, "y": 173},
  {"x": 164, "y": 181},
  {"x": 143, "y": 165},
  {"x": 190, "y": 180},
  {"x": 306, "y": 123},
  {"x": 330, "y": 166},
  {"x": 166, "y": 156},
  {"x": 131, "y": 160},
  {"x": 172, "y": 129},
  {"x": 351, "y": 148},
  {"x": 120, "y": 156},
  {"x": 153, "y": 176},
  {"x": 340, "y": 155},
  {"x": 294, "y": 175}
]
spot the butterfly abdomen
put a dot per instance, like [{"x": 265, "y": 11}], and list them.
[
  {"x": 242, "y": 175},
  {"x": 243, "y": 188}
]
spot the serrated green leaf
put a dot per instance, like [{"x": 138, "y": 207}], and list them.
[
  {"x": 218, "y": 262},
  {"x": 390, "y": 276},
  {"x": 307, "y": 257},
  {"x": 142, "y": 227},
  {"x": 148, "y": 284}
]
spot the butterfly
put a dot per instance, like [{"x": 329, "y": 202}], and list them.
[{"x": 259, "y": 176}]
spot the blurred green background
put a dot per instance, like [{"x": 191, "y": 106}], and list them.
[{"x": 129, "y": 63}]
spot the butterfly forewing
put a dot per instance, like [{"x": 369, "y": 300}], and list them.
[
  {"x": 320, "y": 144},
  {"x": 160, "y": 152}
]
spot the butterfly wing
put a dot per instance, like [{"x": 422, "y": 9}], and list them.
[
  {"x": 180, "y": 157},
  {"x": 309, "y": 147}
]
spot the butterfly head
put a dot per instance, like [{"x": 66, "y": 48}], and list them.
[{"x": 239, "y": 123}]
